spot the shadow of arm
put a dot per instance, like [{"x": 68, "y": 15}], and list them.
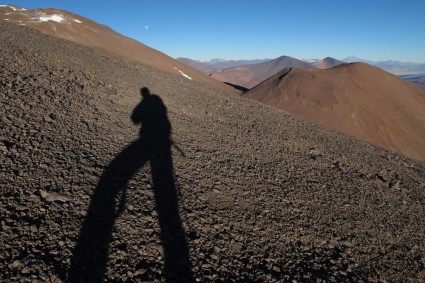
[
  {"x": 137, "y": 114},
  {"x": 178, "y": 149}
]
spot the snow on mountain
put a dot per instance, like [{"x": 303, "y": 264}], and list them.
[
  {"x": 183, "y": 74},
  {"x": 54, "y": 17},
  {"x": 310, "y": 60},
  {"x": 24, "y": 16},
  {"x": 13, "y": 8},
  {"x": 352, "y": 59}
]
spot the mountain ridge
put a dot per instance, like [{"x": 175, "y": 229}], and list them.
[{"x": 79, "y": 29}]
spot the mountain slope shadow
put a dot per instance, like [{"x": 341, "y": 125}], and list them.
[{"x": 90, "y": 255}]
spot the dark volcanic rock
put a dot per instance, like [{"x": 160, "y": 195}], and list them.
[{"x": 263, "y": 197}]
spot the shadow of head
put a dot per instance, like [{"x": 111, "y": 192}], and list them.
[{"x": 144, "y": 92}]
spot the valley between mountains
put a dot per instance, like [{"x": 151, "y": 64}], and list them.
[{"x": 235, "y": 190}]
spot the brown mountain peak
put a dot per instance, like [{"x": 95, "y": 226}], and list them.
[{"x": 358, "y": 99}]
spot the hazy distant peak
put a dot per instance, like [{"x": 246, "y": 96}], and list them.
[
  {"x": 249, "y": 75},
  {"x": 351, "y": 59},
  {"x": 327, "y": 62},
  {"x": 218, "y": 64},
  {"x": 310, "y": 60},
  {"x": 392, "y": 66},
  {"x": 330, "y": 59}
]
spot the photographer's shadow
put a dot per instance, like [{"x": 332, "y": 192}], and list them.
[{"x": 90, "y": 255}]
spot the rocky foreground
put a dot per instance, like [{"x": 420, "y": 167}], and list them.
[{"x": 257, "y": 195}]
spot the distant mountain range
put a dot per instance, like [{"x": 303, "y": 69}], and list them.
[
  {"x": 416, "y": 79},
  {"x": 250, "y": 75},
  {"x": 218, "y": 64},
  {"x": 310, "y": 60},
  {"x": 234, "y": 72},
  {"x": 237, "y": 72},
  {"x": 391, "y": 66}
]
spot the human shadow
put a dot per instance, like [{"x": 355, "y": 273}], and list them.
[{"x": 90, "y": 255}]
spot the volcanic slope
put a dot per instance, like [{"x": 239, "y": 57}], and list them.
[
  {"x": 70, "y": 26},
  {"x": 250, "y": 75},
  {"x": 358, "y": 99},
  {"x": 262, "y": 196}
]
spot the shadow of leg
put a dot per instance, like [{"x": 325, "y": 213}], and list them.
[
  {"x": 91, "y": 252},
  {"x": 176, "y": 252}
]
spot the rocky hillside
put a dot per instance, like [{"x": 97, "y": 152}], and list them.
[{"x": 245, "y": 193}]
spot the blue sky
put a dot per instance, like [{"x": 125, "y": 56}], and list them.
[{"x": 236, "y": 29}]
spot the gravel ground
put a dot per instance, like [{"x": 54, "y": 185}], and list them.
[{"x": 236, "y": 192}]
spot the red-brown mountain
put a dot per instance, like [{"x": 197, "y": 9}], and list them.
[
  {"x": 250, "y": 75},
  {"x": 73, "y": 27},
  {"x": 357, "y": 99}
]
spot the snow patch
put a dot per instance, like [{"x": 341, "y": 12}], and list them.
[
  {"x": 310, "y": 60},
  {"x": 77, "y": 21},
  {"x": 13, "y": 8},
  {"x": 183, "y": 74},
  {"x": 92, "y": 29},
  {"x": 54, "y": 17}
]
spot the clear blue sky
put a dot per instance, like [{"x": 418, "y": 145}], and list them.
[{"x": 236, "y": 29}]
